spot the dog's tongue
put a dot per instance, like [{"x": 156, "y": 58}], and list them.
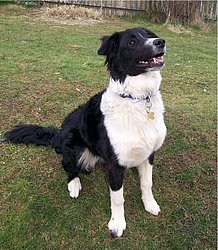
[{"x": 155, "y": 61}]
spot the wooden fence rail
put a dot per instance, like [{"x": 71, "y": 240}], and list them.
[{"x": 156, "y": 10}]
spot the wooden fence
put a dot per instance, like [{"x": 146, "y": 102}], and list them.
[{"x": 156, "y": 10}]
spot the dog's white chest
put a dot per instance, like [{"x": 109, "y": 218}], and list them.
[{"x": 133, "y": 135}]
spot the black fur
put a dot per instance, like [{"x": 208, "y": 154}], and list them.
[
  {"x": 35, "y": 134},
  {"x": 151, "y": 158}
]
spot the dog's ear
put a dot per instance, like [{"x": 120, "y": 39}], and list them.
[{"x": 109, "y": 44}]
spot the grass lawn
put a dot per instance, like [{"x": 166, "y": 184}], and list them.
[{"x": 44, "y": 75}]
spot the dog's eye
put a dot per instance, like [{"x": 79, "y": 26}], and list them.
[{"x": 132, "y": 42}]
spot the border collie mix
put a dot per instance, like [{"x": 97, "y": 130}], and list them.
[{"x": 122, "y": 126}]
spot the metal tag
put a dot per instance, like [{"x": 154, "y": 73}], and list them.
[{"x": 150, "y": 115}]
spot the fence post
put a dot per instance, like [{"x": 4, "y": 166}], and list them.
[{"x": 121, "y": 4}]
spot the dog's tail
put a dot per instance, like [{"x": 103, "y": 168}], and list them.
[{"x": 34, "y": 134}]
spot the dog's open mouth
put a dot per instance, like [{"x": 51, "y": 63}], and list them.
[{"x": 155, "y": 62}]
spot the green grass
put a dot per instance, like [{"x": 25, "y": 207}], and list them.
[{"x": 42, "y": 79}]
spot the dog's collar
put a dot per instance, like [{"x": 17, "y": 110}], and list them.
[
  {"x": 146, "y": 98},
  {"x": 148, "y": 103}
]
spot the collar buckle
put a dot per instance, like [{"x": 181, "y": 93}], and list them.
[{"x": 146, "y": 98}]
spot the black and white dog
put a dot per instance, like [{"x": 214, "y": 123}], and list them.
[{"x": 123, "y": 126}]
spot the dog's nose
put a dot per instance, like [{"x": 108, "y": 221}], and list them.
[{"x": 160, "y": 43}]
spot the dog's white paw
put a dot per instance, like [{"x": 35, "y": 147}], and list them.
[
  {"x": 117, "y": 226},
  {"x": 151, "y": 206},
  {"x": 74, "y": 187}
]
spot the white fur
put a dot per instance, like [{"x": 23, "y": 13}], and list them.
[
  {"x": 88, "y": 160},
  {"x": 150, "y": 41},
  {"x": 74, "y": 187},
  {"x": 117, "y": 223},
  {"x": 145, "y": 174},
  {"x": 132, "y": 135}
]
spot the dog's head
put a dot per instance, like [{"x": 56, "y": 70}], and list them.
[{"x": 132, "y": 52}]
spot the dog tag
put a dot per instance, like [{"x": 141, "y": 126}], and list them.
[{"x": 150, "y": 115}]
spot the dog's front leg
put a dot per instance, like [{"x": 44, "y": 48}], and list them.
[
  {"x": 117, "y": 223},
  {"x": 145, "y": 174}
]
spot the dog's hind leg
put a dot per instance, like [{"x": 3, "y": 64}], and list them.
[
  {"x": 145, "y": 174},
  {"x": 70, "y": 166}
]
